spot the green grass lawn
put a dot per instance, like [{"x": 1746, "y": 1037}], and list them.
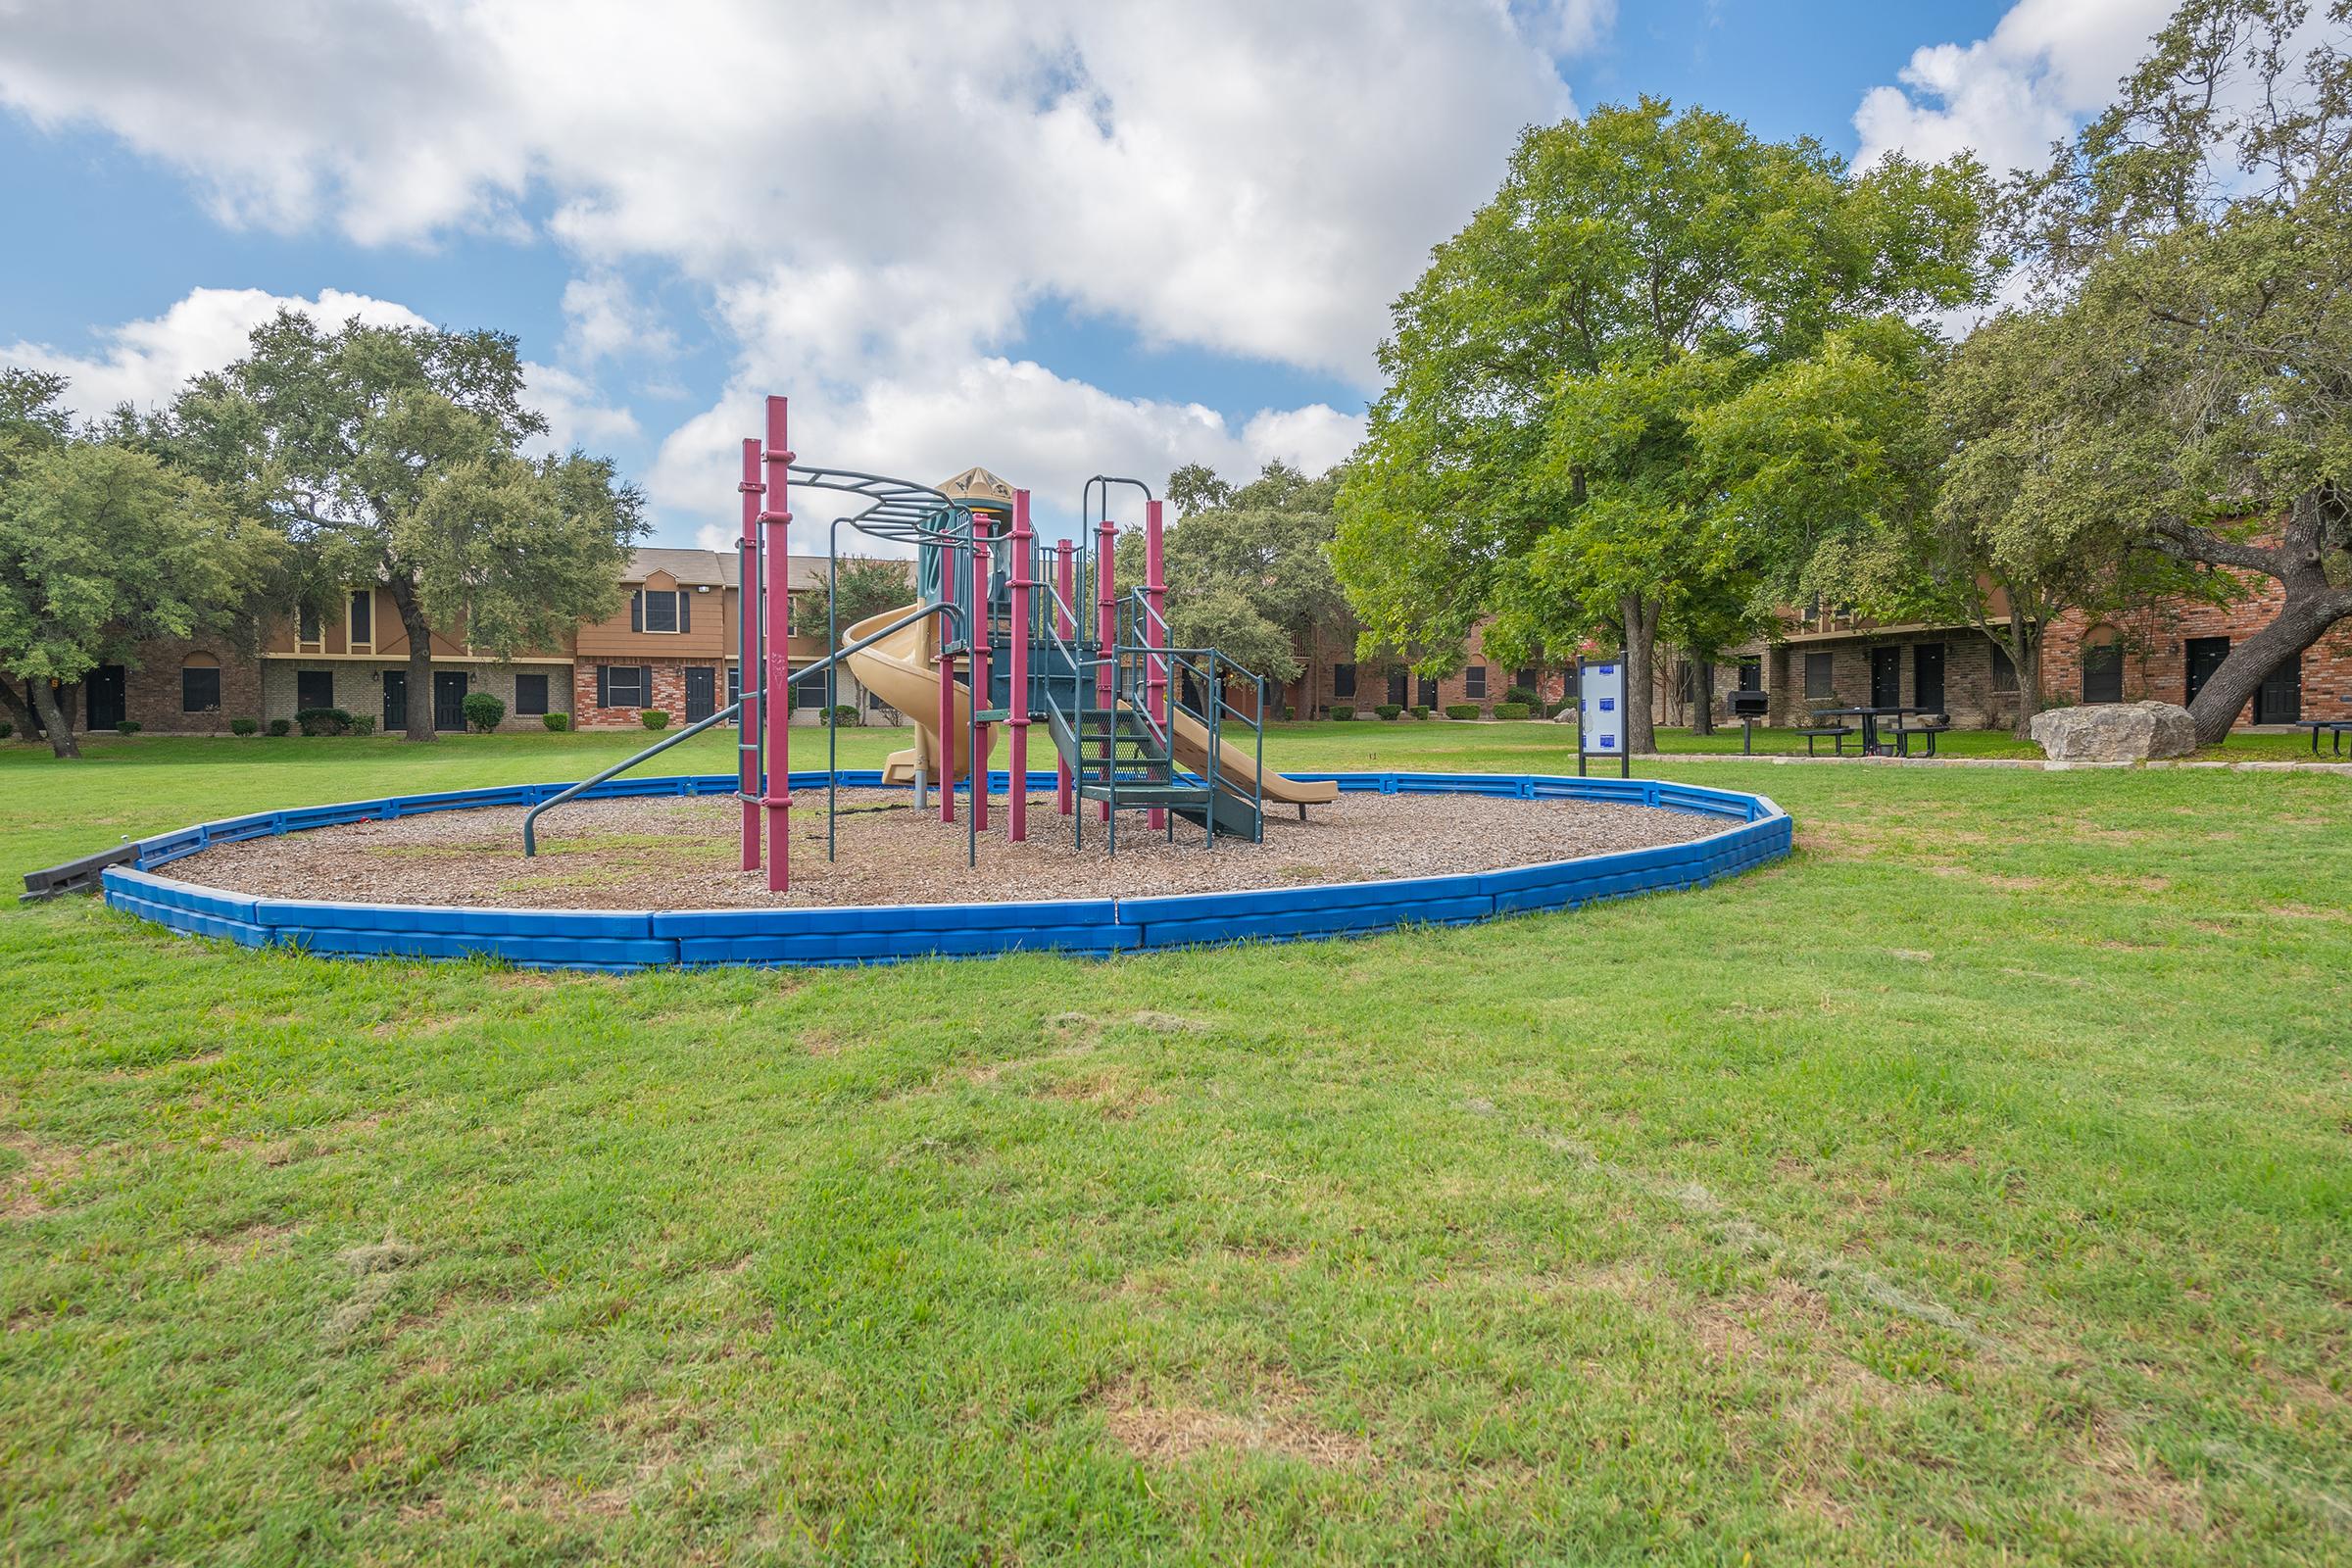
[{"x": 1972, "y": 1186}]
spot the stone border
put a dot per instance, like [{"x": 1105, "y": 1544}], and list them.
[{"x": 1756, "y": 831}]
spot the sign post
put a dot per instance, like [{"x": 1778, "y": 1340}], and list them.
[{"x": 1601, "y": 713}]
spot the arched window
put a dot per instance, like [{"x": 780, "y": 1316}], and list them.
[
  {"x": 2102, "y": 665},
  {"x": 200, "y": 684}
]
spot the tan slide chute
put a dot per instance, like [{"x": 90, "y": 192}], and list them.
[{"x": 902, "y": 671}]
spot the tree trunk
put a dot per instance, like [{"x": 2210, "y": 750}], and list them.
[
  {"x": 54, "y": 720},
  {"x": 13, "y": 709},
  {"x": 1640, "y": 659},
  {"x": 2313, "y": 604},
  {"x": 2025, "y": 656},
  {"x": 420, "y": 661},
  {"x": 1702, "y": 687}
]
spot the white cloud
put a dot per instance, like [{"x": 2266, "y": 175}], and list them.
[
  {"x": 144, "y": 363},
  {"x": 2007, "y": 97},
  {"x": 604, "y": 320}
]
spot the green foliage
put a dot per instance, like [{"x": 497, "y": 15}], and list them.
[
  {"x": 1588, "y": 389},
  {"x": 101, "y": 547},
  {"x": 1250, "y": 574},
  {"x": 362, "y": 723},
  {"x": 868, "y": 587},
  {"x": 1387, "y": 710},
  {"x": 393, "y": 455},
  {"x": 556, "y": 722},
  {"x": 1196, "y": 487},
  {"x": 280, "y": 726},
  {"x": 1520, "y": 694},
  {"x": 484, "y": 711},
  {"x": 1461, "y": 711},
  {"x": 653, "y": 718},
  {"x": 128, "y": 727},
  {"x": 841, "y": 714},
  {"x": 323, "y": 721},
  {"x": 1341, "y": 713},
  {"x": 1420, "y": 711},
  {"x": 1511, "y": 710},
  {"x": 244, "y": 726}
]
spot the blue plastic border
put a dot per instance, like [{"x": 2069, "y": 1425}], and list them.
[{"x": 1754, "y": 831}]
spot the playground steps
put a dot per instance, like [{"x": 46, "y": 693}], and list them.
[{"x": 1114, "y": 757}]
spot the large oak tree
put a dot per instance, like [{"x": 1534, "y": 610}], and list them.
[{"x": 393, "y": 457}]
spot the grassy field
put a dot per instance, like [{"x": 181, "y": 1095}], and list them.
[{"x": 1972, "y": 1186}]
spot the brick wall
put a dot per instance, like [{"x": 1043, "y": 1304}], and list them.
[
  {"x": 2154, "y": 641},
  {"x": 1970, "y": 696},
  {"x": 668, "y": 679},
  {"x": 150, "y": 688}
]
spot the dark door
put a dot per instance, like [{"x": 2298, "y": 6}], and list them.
[
  {"x": 1751, "y": 674},
  {"x": 1396, "y": 681},
  {"x": 2204, "y": 657},
  {"x": 1426, "y": 690},
  {"x": 1927, "y": 676},
  {"x": 396, "y": 701},
  {"x": 700, "y": 695},
  {"x": 2278, "y": 700},
  {"x": 449, "y": 699},
  {"x": 102, "y": 693},
  {"x": 1886, "y": 677}
]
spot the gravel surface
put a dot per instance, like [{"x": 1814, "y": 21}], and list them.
[{"x": 680, "y": 853}]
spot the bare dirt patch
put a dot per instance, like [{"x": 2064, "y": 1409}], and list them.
[
  {"x": 1161, "y": 1429},
  {"x": 25, "y": 1193},
  {"x": 682, "y": 853}
]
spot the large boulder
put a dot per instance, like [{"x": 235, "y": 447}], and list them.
[{"x": 2115, "y": 732}]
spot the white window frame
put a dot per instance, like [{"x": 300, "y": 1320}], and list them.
[
  {"x": 353, "y": 643},
  {"x": 646, "y": 597}
]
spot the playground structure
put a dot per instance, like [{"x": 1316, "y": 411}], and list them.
[{"x": 1134, "y": 722}]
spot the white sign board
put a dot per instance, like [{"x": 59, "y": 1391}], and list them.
[{"x": 1600, "y": 707}]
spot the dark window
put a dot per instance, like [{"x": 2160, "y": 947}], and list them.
[
  {"x": 1342, "y": 680},
  {"x": 199, "y": 689},
  {"x": 306, "y": 624},
  {"x": 530, "y": 693},
  {"x": 734, "y": 684},
  {"x": 620, "y": 685},
  {"x": 1474, "y": 682},
  {"x": 313, "y": 688},
  {"x": 1927, "y": 676},
  {"x": 2204, "y": 656},
  {"x": 1526, "y": 678},
  {"x": 2103, "y": 673},
  {"x": 813, "y": 689},
  {"x": 2278, "y": 700},
  {"x": 660, "y": 609},
  {"x": 362, "y": 616},
  {"x": 2005, "y": 669},
  {"x": 1751, "y": 674},
  {"x": 1819, "y": 682}
]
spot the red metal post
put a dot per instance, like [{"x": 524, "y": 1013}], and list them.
[
  {"x": 977, "y": 665},
  {"x": 746, "y": 653},
  {"x": 1016, "y": 801},
  {"x": 1106, "y": 630},
  {"x": 1065, "y": 581},
  {"x": 1156, "y": 669},
  {"x": 940, "y": 627},
  {"x": 775, "y": 641}
]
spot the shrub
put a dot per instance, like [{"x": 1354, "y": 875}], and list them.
[
  {"x": 1556, "y": 709},
  {"x": 844, "y": 714},
  {"x": 1510, "y": 710},
  {"x": 653, "y": 718},
  {"x": 483, "y": 712},
  {"x": 1461, "y": 710},
  {"x": 6, "y": 729},
  {"x": 1284, "y": 711},
  {"x": 1343, "y": 712},
  {"x": 362, "y": 723},
  {"x": 1419, "y": 710},
  {"x": 130, "y": 726},
  {"x": 280, "y": 726},
  {"x": 556, "y": 722},
  {"x": 1522, "y": 695},
  {"x": 1387, "y": 710},
  {"x": 322, "y": 722},
  {"x": 244, "y": 726}
]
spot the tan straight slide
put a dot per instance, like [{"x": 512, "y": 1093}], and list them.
[{"x": 1237, "y": 767}]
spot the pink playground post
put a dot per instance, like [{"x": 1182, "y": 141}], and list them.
[
  {"x": 1016, "y": 800},
  {"x": 747, "y": 654},
  {"x": 1065, "y": 583},
  {"x": 946, "y": 689},
  {"x": 1106, "y": 630},
  {"x": 976, "y": 665},
  {"x": 1156, "y": 637},
  {"x": 775, "y": 641}
]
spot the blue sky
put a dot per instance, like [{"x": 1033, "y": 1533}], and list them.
[{"x": 1054, "y": 243}]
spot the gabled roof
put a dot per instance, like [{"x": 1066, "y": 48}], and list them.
[
  {"x": 719, "y": 569},
  {"x": 979, "y": 486}
]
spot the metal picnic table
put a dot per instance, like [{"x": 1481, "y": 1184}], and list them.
[
  {"x": 1870, "y": 716},
  {"x": 2338, "y": 727}
]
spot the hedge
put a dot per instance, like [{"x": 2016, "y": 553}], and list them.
[
  {"x": 1461, "y": 710},
  {"x": 556, "y": 722},
  {"x": 483, "y": 711},
  {"x": 653, "y": 718},
  {"x": 1510, "y": 710},
  {"x": 1343, "y": 712},
  {"x": 320, "y": 721},
  {"x": 1388, "y": 709},
  {"x": 244, "y": 726}
]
